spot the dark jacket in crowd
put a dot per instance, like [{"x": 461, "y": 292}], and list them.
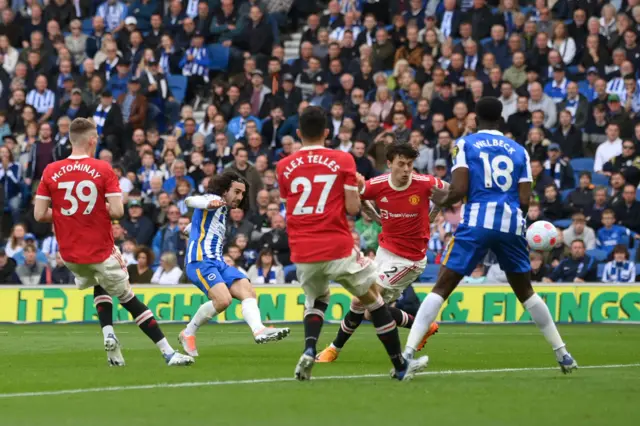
[{"x": 569, "y": 269}]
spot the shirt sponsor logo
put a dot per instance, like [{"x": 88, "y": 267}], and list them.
[{"x": 386, "y": 214}]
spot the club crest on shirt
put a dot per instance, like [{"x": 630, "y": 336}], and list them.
[{"x": 414, "y": 200}]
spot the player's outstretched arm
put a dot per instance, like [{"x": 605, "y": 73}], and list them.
[
  {"x": 458, "y": 188},
  {"x": 204, "y": 202},
  {"x": 368, "y": 208},
  {"x": 41, "y": 210}
]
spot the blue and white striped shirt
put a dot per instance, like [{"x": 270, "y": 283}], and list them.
[
  {"x": 497, "y": 165},
  {"x": 113, "y": 15},
  {"x": 208, "y": 229},
  {"x": 619, "y": 272},
  {"x": 616, "y": 86},
  {"x": 197, "y": 65},
  {"x": 42, "y": 102}
]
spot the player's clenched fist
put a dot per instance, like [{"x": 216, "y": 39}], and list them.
[{"x": 215, "y": 204}]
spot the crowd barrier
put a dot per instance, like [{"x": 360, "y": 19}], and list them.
[{"x": 585, "y": 303}]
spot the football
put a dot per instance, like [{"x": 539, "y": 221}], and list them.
[{"x": 542, "y": 236}]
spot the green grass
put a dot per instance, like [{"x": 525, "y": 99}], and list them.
[{"x": 59, "y": 357}]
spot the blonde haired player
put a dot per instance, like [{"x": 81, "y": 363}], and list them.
[
  {"x": 81, "y": 195},
  {"x": 403, "y": 198}
]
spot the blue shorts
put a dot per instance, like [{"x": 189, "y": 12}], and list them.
[
  {"x": 207, "y": 273},
  {"x": 469, "y": 245}
]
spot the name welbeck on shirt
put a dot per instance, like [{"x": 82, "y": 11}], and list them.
[
  {"x": 311, "y": 159},
  {"x": 495, "y": 142}
]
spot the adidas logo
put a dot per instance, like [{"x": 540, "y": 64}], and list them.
[{"x": 384, "y": 200}]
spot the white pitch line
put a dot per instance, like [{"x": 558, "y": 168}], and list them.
[{"x": 289, "y": 379}]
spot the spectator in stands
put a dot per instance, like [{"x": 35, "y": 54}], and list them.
[
  {"x": 610, "y": 235},
  {"x": 169, "y": 273},
  {"x": 178, "y": 171},
  {"x": 519, "y": 122},
  {"x": 141, "y": 272},
  {"x": 277, "y": 240},
  {"x": 137, "y": 225},
  {"x": 266, "y": 269},
  {"x": 617, "y": 115},
  {"x": 621, "y": 269},
  {"x": 241, "y": 166},
  {"x": 40, "y": 155},
  {"x": 627, "y": 211},
  {"x": 579, "y": 231},
  {"x": 595, "y": 130},
  {"x": 581, "y": 198},
  {"x": 536, "y": 145},
  {"x": 610, "y": 148},
  {"x": 32, "y": 272},
  {"x": 541, "y": 180},
  {"x": 616, "y": 187},
  {"x": 539, "y": 270},
  {"x": 540, "y": 101},
  {"x": 167, "y": 237},
  {"x": 552, "y": 206},
  {"x": 627, "y": 163},
  {"x": 383, "y": 50},
  {"x": 577, "y": 104},
  {"x": 558, "y": 168},
  {"x": 60, "y": 274},
  {"x": 577, "y": 268},
  {"x": 12, "y": 181},
  {"x": 7, "y": 268}
]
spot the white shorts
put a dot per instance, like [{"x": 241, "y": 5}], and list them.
[
  {"x": 355, "y": 273},
  {"x": 112, "y": 274},
  {"x": 395, "y": 273}
]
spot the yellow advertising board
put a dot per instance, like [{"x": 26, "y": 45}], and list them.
[{"x": 469, "y": 304}]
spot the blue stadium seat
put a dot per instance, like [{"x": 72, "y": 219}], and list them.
[
  {"x": 430, "y": 274},
  {"x": 632, "y": 254},
  {"x": 178, "y": 85},
  {"x": 87, "y": 26},
  {"x": 582, "y": 164},
  {"x": 573, "y": 69},
  {"x": 291, "y": 61},
  {"x": 431, "y": 257},
  {"x": 562, "y": 223},
  {"x": 600, "y": 270},
  {"x": 598, "y": 255},
  {"x": 638, "y": 195},
  {"x": 288, "y": 269},
  {"x": 565, "y": 193},
  {"x": 219, "y": 57},
  {"x": 599, "y": 180}
]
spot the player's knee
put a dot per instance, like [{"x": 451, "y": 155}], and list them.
[{"x": 222, "y": 302}]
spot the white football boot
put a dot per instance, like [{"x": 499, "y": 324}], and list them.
[
  {"x": 114, "y": 354},
  {"x": 271, "y": 334}
]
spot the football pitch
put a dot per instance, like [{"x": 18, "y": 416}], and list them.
[{"x": 478, "y": 375}]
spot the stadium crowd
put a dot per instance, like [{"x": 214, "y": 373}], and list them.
[{"x": 400, "y": 71}]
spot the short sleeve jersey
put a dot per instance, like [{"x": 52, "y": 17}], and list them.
[
  {"x": 313, "y": 182},
  {"x": 78, "y": 188},
  {"x": 404, "y": 213}
]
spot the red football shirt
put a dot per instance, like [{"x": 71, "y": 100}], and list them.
[
  {"x": 404, "y": 213},
  {"x": 77, "y": 188},
  {"x": 313, "y": 182}
]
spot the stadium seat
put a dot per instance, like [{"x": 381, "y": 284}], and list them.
[
  {"x": 599, "y": 180},
  {"x": 178, "y": 85},
  {"x": 87, "y": 26},
  {"x": 632, "y": 254},
  {"x": 430, "y": 274},
  {"x": 565, "y": 193},
  {"x": 431, "y": 257},
  {"x": 562, "y": 223},
  {"x": 219, "y": 57},
  {"x": 289, "y": 268},
  {"x": 598, "y": 255},
  {"x": 582, "y": 164},
  {"x": 638, "y": 195},
  {"x": 600, "y": 270}
]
